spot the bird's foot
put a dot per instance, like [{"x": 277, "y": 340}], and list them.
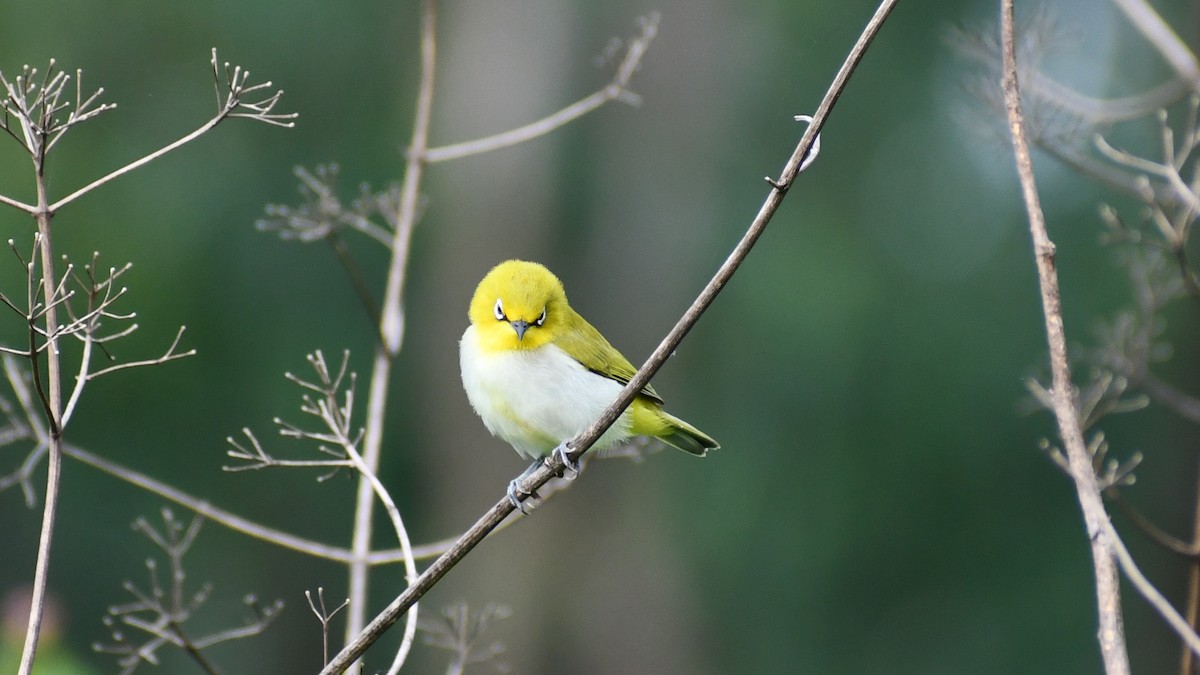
[
  {"x": 517, "y": 496},
  {"x": 523, "y": 501},
  {"x": 571, "y": 468}
]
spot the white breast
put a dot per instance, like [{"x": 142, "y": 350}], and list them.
[{"x": 535, "y": 399}]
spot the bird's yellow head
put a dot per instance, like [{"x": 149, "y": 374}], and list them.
[{"x": 518, "y": 305}]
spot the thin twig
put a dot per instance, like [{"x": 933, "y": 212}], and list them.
[
  {"x": 1185, "y": 406},
  {"x": 617, "y": 89},
  {"x": 438, "y": 569},
  {"x": 1156, "y": 533},
  {"x": 1148, "y": 591},
  {"x": 228, "y": 106},
  {"x": 216, "y": 514},
  {"x": 1111, "y": 633},
  {"x": 16, "y": 203},
  {"x": 324, "y": 616}
]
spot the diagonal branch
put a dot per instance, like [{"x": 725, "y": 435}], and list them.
[{"x": 438, "y": 569}]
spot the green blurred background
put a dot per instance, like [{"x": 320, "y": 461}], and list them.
[{"x": 879, "y": 504}]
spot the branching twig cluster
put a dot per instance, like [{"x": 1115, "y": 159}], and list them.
[
  {"x": 34, "y": 105},
  {"x": 335, "y": 439},
  {"x": 158, "y": 614},
  {"x": 231, "y": 93},
  {"x": 1059, "y": 119},
  {"x": 86, "y": 297},
  {"x": 460, "y": 631},
  {"x": 1103, "y": 396},
  {"x": 37, "y": 111},
  {"x": 322, "y": 214},
  {"x": 330, "y": 400}
]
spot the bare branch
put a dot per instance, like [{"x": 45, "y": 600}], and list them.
[
  {"x": 334, "y": 408},
  {"x": 169, "y": 355},
  {"x": 616, "y": 90},
  {"x": 15, "y": 203},
  {"x": 162, "y": 611},
  {"x": 459, "y": 630},
  {"x": 1184, "y": 405},
  {"x": 1149, "y": 592},
  {"x": 256, "y": 457},
  {"x": 36, "y": 106},
  {"x": 231, "y": 92},
  {"x": 229, "y": 104},
  {"x": 1111, "y": 634},
  {"x": 1154, "y": 532},
  {"x": 324, "y": 616},
  {"x": 203, "y": 507}
]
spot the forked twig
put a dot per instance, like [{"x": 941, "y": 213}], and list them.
[{"x": 324, "y": 615}]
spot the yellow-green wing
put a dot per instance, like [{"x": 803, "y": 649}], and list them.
[{"x": 582, "y": 341}]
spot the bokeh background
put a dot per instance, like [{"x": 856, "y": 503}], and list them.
[{"x": 879, "y": 504}]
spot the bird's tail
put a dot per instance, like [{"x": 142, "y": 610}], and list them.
[{"x": 680, "y": 434}]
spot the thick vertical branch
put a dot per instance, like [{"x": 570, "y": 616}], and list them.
[
  {"x": 391, "y": 329},
  {"x": 1108, "y": 597},
  {"x": 52, "y": 402}
]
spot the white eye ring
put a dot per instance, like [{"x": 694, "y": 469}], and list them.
[
  {"x": 500, "y": 311},
  {"x": 541, "y": 319}
]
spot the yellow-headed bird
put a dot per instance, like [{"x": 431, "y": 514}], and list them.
[{"x": 538, "y": 373}]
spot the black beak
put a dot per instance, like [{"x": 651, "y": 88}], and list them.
[{"x": 520, "y": 327}]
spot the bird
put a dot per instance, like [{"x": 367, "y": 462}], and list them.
[{"x": 538, "y": 373}]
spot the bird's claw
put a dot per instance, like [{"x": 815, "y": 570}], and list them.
[
  {"x": 571, "y": 468},
  {"x": 523, "y": 501}
]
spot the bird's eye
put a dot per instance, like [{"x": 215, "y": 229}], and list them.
[
  {"x": 500, "y": 311},
  {"x": 541, "y": 319}
]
